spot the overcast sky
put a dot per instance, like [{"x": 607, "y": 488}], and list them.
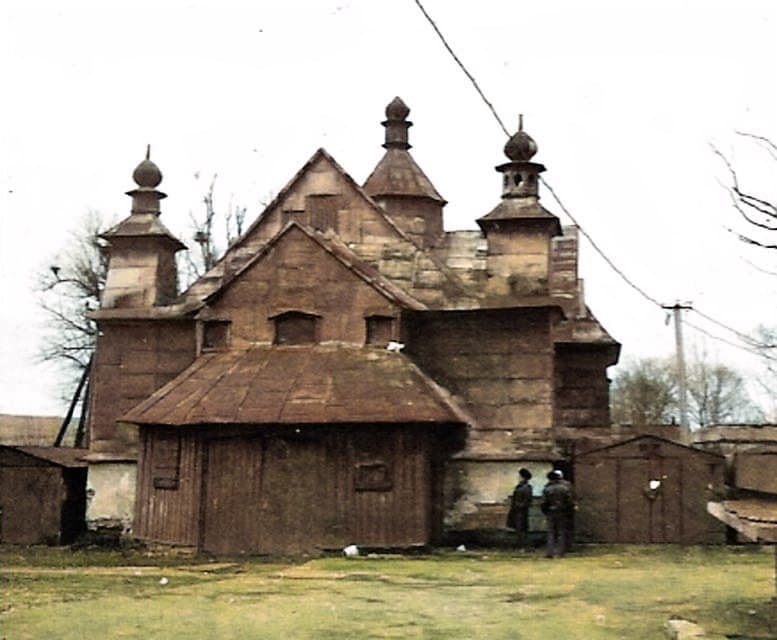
[{"x": 624, "y": 98}]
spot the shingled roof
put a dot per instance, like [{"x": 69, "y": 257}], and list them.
[{"x": 298, "y": 385}]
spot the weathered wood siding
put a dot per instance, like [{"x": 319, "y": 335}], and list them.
[
  {"x": 288, "y": 490},
  {"x": 167, "y": 506},
  {"x": 40, "y": 502},
  {"x": 500, "y": 364},
  {"x": 582, "y": 394},
  {"x": 132, "y": 361},
  {"x": 299, "y": 276},
  {"x": 616, "y": 505},
  {"x": 324, "y": 198}
]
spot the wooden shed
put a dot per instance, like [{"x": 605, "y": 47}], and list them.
[
  {"x": 648, "y": 490},
  {"x": 42, "y": 494},
  {"x": 279, "y": 449}
]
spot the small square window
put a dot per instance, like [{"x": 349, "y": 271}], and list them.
[
  {"x": 373, "y": 476},
  {"x": 295, "y": 327},
  {"x": 380, "y": 330},
  {"x": 215, "y": 335},
  {"x": 166, "y": 459}
]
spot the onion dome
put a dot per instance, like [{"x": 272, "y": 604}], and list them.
[
  {"x": 147, "y": 174},
  {"x": 397, "y": 110},
  {"x": 521, "y": 146}
]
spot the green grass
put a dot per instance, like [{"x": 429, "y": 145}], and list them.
[{"x": 596, "y": 593}]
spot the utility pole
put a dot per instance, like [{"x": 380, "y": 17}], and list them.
[{"x": 677, "y": 310}]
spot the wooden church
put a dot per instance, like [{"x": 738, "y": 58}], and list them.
[{"x": 349, "y": 372}]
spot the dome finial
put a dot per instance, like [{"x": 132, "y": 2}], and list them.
[
  {"x": 397, "y": 124},
  {"x": 147, "y": 174},
  {"x": 521, "y": 146}
]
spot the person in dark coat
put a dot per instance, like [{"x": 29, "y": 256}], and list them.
[
  {"x": 557, "y": 505},
  {"x": 520, "y": 501}
]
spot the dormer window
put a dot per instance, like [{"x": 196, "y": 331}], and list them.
[
  {"x": 380, "y": 330},
  {"x": 296, "y": 327}
]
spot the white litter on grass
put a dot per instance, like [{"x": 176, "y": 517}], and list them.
[
  {"x": 350, "y": 551},
  {"x": 163, "y": 581},
  {"x": 461, "y": 547}
]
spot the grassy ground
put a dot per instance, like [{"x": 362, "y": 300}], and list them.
[{"x": 598, "y": 592}]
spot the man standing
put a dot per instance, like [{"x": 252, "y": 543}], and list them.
[
  {"x": 557, "y": 505},
  {"x": 520, "y": 501}
]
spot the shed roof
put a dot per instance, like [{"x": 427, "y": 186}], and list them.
[
  {"x": 60, "y": 456},
  {"x": 755, "y": 518},
  {"x": 28, "y": 430},
  {"x": 612, "y": 449},
  {"x": 309, "y": 384}
]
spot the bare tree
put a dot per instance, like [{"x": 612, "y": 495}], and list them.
[
  {"x": 70, "y": 284},
  {"x": 758, "y": 211},
  {"x": 68, "y": 289},
  {"x": 718, "y": 394},
  {"x": 644, "y": 393},
  {"x": 205, "y": 237}
]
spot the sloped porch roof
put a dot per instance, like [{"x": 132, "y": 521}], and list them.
[{"x": 311, "y": 384}]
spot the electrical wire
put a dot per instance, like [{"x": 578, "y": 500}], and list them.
[
  {"x": 743, "y": 337},
  {"x": 760, "y": 354},
  {"x": 463, "y": 68},
  {"x": 752, "y": 344}
]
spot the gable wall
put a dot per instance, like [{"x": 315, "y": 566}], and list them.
[
  {"x": 323, "y": 198},
  {"x": 298, "y": 274}
]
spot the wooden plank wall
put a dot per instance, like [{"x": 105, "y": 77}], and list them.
[{"x": 291, "y": 490}]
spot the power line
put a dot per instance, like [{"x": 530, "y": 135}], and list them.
[
  {"x": 743, "y": 337},
  {"x": 760, "y": 354},
  {"x": 463, "y": 68},
  {"x": 611, "y": 264},
  {"x": 550, "y": 189}
]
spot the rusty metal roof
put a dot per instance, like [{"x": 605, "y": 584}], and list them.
[
  {"x": 398, "y": 174},
  {"x": 298, "y": 385},
  {"x": 521, "y": 209},
  {"x": 61, "y": 456},
  {"x": 142, "y": 225}
]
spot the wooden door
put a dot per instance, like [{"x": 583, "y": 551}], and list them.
[
  {"x": 264, "y": 495},
  {"x": 232, "y": 495},
  {"x": 646, "y": 515}
]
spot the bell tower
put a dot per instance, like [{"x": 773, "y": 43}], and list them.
[
  {"x": 141, "y": 265},
  {"x": 519, "y": 229}
]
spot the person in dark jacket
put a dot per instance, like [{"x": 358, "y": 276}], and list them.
[
  {"x": 557, "y": 505},
  {"x": 520, "y": 501}
]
